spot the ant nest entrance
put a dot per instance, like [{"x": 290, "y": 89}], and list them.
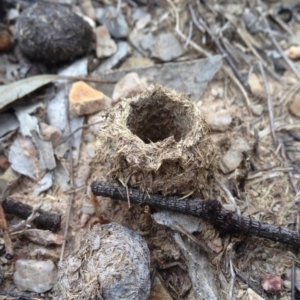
[
  {"x": 158, "y": 119},
  {"x": 158, "y": 142}
]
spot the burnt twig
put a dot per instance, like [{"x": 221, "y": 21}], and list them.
[
  {"x": 224, "y": 220},
  {"x": 45, "y": 220}
]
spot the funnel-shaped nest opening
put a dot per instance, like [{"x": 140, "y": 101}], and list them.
[
  {"x": 158, "y": 142},
  {"x": 159, "y": 118}
]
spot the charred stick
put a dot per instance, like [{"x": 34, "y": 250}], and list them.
[
  {"x": 212, "y": 211},
  {"x": 45, "y": 220}
]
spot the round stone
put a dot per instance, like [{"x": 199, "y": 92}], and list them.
[{"x": 51, "y": 33}]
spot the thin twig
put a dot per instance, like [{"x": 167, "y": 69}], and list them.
[
  {"x": 229, "y": 195},
  {"x": 232, "y": 281},
  {"x": 207, "y": 54},
  {"x": 293, "y": 281},
  {"x": 219, "y": 46},
  {"x": 244, "y": 36},
  {"x": 270, "y": 106},
  {"x": 278, "y": 47},
  {"x": 88, "y": 79},
  {"x": 189, "y": 36},
  {"x": 23, "y": 224},
  {"x": 250, "y": 283},
  {"x": 202, "y": 246},
  {"x": 77, "y": 129},
  {"x": 194, "y": 19},
  {"x": 46, "y": 220},
  {"x": 72, "y": 195}
]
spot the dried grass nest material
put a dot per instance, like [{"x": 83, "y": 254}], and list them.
[
  {"x": 113, "y": 263},
  {"x": 157, "y": 141}
]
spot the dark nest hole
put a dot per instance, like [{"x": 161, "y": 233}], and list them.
[{"x": 159, "y": 118}]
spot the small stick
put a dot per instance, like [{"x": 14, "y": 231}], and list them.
[
  {"x": 208, "y": 54},
  {"x": 23, "y": 224},
  {"x": 77, "y": 129},
  {"x": 72, "y": 195},
  {"x": 250, "y": 283},
  {"x": 189, "y": 36},
  {"x": 278, "y": 47},
  {"x": 219, "y": 46},
  {"x": 232, "y": 281},
  {"x": 270, "y": 106},
  {"x": 45, "y": 220},
  {"x": 212, "y": 211}
]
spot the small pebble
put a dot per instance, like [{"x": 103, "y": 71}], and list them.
[
  {"x": 233, "y": 157},
  {"x": 257, "y": 109},
  {"x": 88, "y": 8},
  {"x": 50, "y": 133},
  {"x": 142, "y": 41},
  {"x": 5, "y": 40},
  {"x": 4, "y": 163},
  {"x": 85, "y": 100},
  {"x": 90, "y": 148},
  {"x": 106, "y": 46},
  {"x": 114, "y": 21},
  {"x": 87, "y": 209},
  {"x": 122, "y": 51},
  {"x": 129, "y": 86},
  {"x": 84, "y": 219},
  {"x": 137, "y": 62},
  {"x": 219, "y": 120},
  {"x": 294, "y": 107},
  {"x": 34, "y": 275},
  {"x": 252, "y": 295},
  {"x": 51, "y": 33},
  {"x": 256, "y": 86},
  {"x": 293, "y": 52},
  {"x": 167, "y": 47}
]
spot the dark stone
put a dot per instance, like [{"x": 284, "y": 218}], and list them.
[{"x": 51, "y": 33}]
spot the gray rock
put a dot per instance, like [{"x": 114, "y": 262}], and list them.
[
  {"x": 122, "y": 52},
  {"x": 167, "y": 47},
  {"x": 143, "y": 42},
  {"x": 35, "y": 276},
  {"x": 51, "y": 33},
  {"x": 113, "y": 20}
]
